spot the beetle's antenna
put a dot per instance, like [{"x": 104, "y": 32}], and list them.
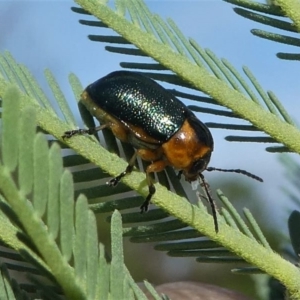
[
  {"x": 236, "y": 171},
  {"x": 211, "y": 202}
]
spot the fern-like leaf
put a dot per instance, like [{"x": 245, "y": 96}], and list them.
[
  {"x": 255, "y": 12},
  {"x": 234, "y": 236},
  {"x": 52, "y": 231}
]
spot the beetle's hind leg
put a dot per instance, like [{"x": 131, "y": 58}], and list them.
[
  {"x": 114, "y": 181},
  {"x": 89, "y": 131}
]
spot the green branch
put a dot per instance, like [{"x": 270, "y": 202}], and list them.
[{"x": 291, "y": 9}]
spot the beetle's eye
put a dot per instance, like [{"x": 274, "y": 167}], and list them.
[{"x": 200, "y": 165}]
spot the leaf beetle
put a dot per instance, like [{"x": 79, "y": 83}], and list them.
[{"x": 161, "y": 128}]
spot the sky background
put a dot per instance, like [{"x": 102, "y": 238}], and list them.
[{"x": 46, "y": 34}]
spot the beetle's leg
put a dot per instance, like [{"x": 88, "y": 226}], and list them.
[
  {"x": 156, "y": 166},
  {"x": 91, "y": 130},
  {"x": 114, "y": 181},
  {"x": 144, "y": 207},
  {"x": 211, "y": 202},
  {"x": 179, "y": 174}
]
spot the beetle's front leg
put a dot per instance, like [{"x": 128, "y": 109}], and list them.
[
  {"x": 156, "y": 166},
  {"x": 144, "y": 207}
]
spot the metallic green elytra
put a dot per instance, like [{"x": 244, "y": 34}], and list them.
[{"x": 140, "y": 101}]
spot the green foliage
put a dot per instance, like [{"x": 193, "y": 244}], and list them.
[
  {"x": 45, "y": 223},
  {"x": 256, "y": 12},
  {"x": 53, "y": 226}
]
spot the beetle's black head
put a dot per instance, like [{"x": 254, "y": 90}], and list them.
[{"x": 197, "y": 167}]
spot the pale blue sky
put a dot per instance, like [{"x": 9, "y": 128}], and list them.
[{"x": 46, "y": 34}]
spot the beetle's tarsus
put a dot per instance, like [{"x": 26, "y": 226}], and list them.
[
  {"x": 70, "y": 133},
  {"x": 144, "y": 207},
  {"x": 114, "y": 181},
  {"x": 89, "y": 131},
  {"x": 179, "y": 174}
]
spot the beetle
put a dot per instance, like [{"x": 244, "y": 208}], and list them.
[{"x": 160, "y": 127}]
